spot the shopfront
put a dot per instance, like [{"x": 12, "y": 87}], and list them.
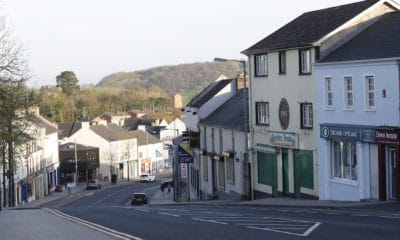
[
  {"x": 387, "y": 139},
  {"x": 347, "y": 162}
]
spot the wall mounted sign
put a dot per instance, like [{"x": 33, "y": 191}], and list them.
[
  {"x": 352, "y": 133},
  {"x": 284, "y": 114},
  {"x": 286, "y": 140},
  {"x": 390, "y": 136},
  {"x": 184, "y": 156}
]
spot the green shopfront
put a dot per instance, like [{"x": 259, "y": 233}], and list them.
[{"x": 282, "y": 169}]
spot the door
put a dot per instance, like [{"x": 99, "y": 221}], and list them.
[
  {"x": 285, "y": 169},
  {"x": 391, "y": 174}
]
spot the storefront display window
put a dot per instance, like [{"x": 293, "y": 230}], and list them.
[{"x": 344, "y": 160}]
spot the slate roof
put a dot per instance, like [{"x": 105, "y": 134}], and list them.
[
  {"x": 69, "y": 146},
  {"x": 144, "y": 138},
  {"x": 208, "y": 93},
  {"x": 41, "y": 122},
  {"x": 131, "y": 124},
  {"x": 111, "y": 132},
  {"x": 68, "y": 129},
  {"x": 380, "y": 40},
  {"x": 309, "y": 27},
  {"x": 229, "y": 115}
]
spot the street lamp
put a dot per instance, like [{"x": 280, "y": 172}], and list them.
[{"x": 246, "y": 144}]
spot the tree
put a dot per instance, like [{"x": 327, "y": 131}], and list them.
[
  {"x": 14, "y": 103},
  {"x": 68, "y": 82}
]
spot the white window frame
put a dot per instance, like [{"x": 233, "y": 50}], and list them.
[
  {"x": 261, "y": 64},
  {"x": 282, "y": 62},
  {"x": 307, "y": 115},
  {"x": 368, "y": 92},
  {"x": 348, "y": 92},
  {"x": 328, "y": 92},
  {"x": 344, "y": 172},
  {"x": 262, "y": 114},
  {"x": 305, "y": 61}
]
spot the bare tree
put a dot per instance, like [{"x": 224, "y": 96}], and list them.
[{"x": 14, "y": 101}]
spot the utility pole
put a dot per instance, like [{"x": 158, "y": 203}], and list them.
[{"x": 76, "y": 163}]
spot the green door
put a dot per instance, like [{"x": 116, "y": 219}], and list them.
[
  {"x": 285, "y": 169},
  {"x": 303, "y": 171},
  {"x": 267, "y": 172}
]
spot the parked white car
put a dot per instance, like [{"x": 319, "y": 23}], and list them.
[{"x": 148, "y": 177}]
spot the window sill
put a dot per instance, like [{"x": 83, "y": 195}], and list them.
[
  {"x": 345, "y": 182},
  {"x": 370, "y": 109},
  {"x": 305, "y": 74},
  {"x": 260, "y": 76},
  {"x": 329, "y": 109},
  {"x": 348, "y": 109}
]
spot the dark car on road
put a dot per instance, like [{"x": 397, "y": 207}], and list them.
[{"x": 139, "y": 198}]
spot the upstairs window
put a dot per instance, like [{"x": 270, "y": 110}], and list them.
[
  {"x": 262, "y": 113},
  {"x": 370, "y": 92},
  {"x": 306, "y": 113},
  {"x": 305, "y": 61},
  {"x": 261, "y": 65},
  {"x": 348, "y": 93},
  {"x": 328, "y": 93},
  {"x": 282, "y": 62}
]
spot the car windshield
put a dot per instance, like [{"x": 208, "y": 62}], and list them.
[
  {"x": 144, "y": 175},
  {"x": 140, "y": 195}
]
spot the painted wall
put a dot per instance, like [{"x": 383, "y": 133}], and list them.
[{"x": 386, "y": 73}]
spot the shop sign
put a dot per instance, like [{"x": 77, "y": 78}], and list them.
[
  {"x": 348, "y": 133},
  {"x": 184, "y": 169},
  {"x": 184, "y": 156},
  {"x": 286, "y": 140},
  {"x": 387, "y": 136}
]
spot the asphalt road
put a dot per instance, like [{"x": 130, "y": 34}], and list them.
[{"x": 111, "y": 208}]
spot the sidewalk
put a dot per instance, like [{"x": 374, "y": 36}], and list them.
[
  {"x": 165, "y": 199},
  {"x": 38, "y": 224},
  {"x": 53, "y": 196}
]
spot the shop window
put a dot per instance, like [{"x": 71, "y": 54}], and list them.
[{"x": 344, "y": 161}]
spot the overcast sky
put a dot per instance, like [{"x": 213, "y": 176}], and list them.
[{"x": 95, "y": 38}]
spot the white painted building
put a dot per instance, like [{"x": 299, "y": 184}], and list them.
[
  {"x": 117, "y": 147},
  {"x": 223, "y": 146},
  {"x": 358, "y": 105},
  {"x": 283, "y": 95}
]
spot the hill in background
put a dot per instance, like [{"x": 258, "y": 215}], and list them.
[{"x": 185, "y": 78}]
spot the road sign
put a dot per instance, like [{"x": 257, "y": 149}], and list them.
[{"x": 184, "y": 156}]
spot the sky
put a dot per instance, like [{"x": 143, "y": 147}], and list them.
[{"x": 95, "y": 38}]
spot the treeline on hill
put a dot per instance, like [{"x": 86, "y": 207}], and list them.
[
  {"x": 148, "y": 90},
  {"x": 184, "y": 78}
]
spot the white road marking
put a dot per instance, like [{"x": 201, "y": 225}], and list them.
[
  {"x": 311, "y": 229},
  {"x": 391, "y": 217},
  {"x": 94, "y": 226},
  {"x": 211, "y": 221},
  {"x": 359, "y": 215},
  {"x": 142, "y": 210},
  {"x": 168, "y": 214}
]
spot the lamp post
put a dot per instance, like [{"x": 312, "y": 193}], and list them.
[{"x": 245, "y": 102}]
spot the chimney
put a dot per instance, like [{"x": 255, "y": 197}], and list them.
[
  {"x": 240, "y": 82},
  {"x": 85, "y": 125}
]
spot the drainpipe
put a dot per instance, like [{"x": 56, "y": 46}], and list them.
[{"x": 397, "y": 147}]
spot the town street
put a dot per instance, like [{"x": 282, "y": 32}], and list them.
[{"x": 111, "y": 208}]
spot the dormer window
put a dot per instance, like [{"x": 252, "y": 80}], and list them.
[{"x": 261, "y": 65}]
